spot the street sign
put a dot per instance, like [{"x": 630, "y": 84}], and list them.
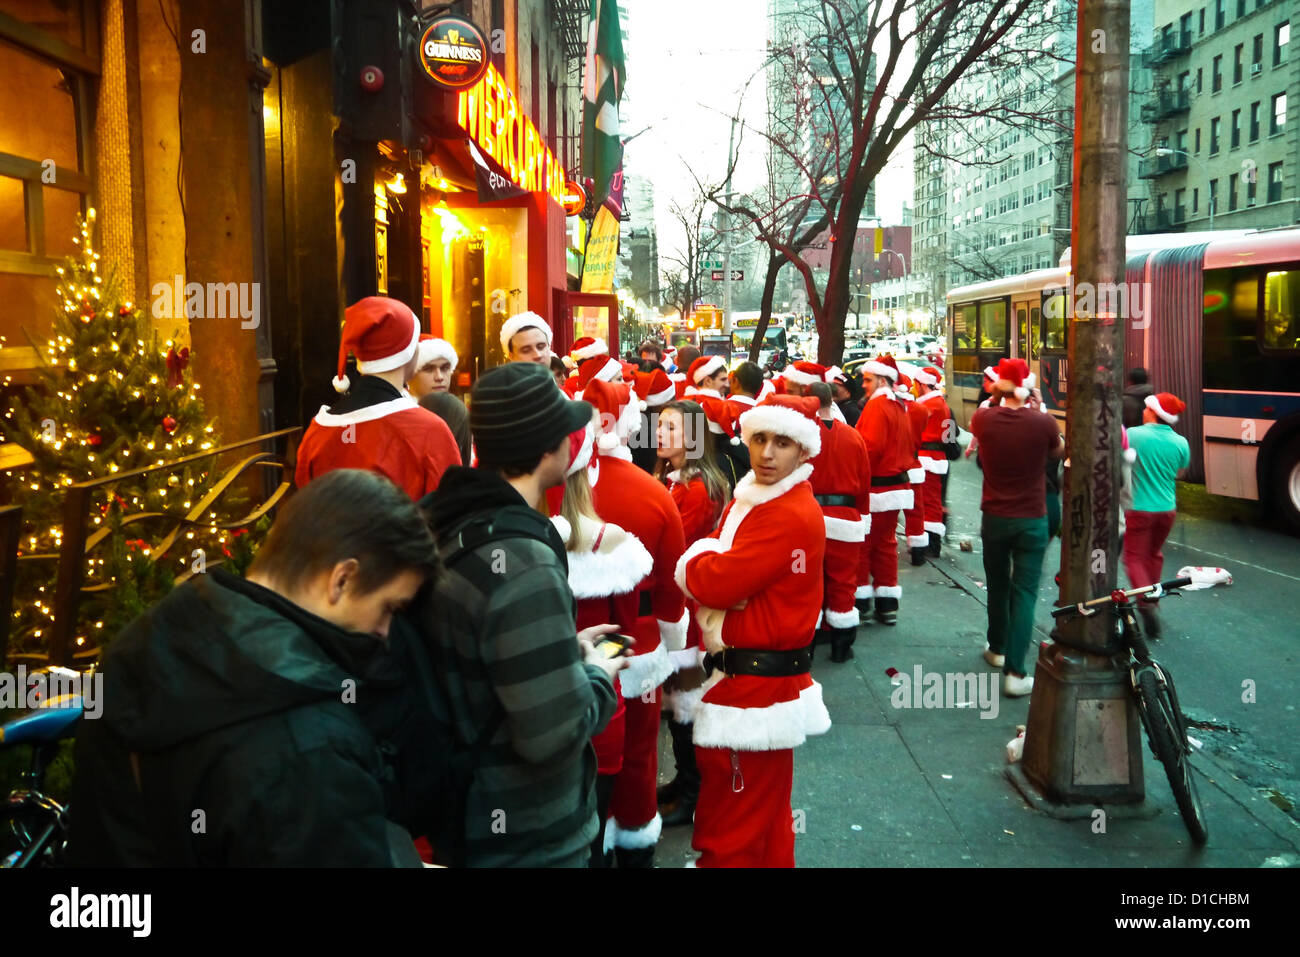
[
  {"x": 737, "y": 275},
  {"x": 711, "y": 264},
  {"x": 717, "y": 275}
]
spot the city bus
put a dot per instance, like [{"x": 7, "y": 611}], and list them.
[
  {"x": 774, "y": 346},
  {"x": 1212, "y": 317}
]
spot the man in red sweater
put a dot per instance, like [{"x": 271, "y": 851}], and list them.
[
  {"x": 914, "y": 517},
  {"x": 377, "y": 425},
  {"x": 758, "y": 579},
  {"x": 939, "y": 429},
  {"x": 841, "y": 484},
  {"x": 884, "y": 426}
]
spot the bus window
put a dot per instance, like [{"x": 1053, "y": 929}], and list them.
[
  {"x": 993, "y": 327},
  {"x": 1054, "y": 323},
  {"x": 1022, "y": 331},
  {"x": 1034, "y": 323},
  {"x": 1281, "y": 329},
  {"x": 963, "y": 327}
]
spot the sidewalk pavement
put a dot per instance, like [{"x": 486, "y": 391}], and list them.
[{"x": 927, "y": 787}]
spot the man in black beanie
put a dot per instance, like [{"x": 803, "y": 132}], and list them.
[{"x": 503, "y": 635}]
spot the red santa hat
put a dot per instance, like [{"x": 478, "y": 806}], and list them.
[
  {"x": 936, "y": 360},
  {"x": 1166, "y": 405},
  {"x": 704, "y": 366},
  {"x": 882, "y": 366},
  {"x": 804, "y": 373},
  {"x": 767, "y": 388},
  {"x": 619, "y": 416},
  {"x": 431, "y": 347},
  {"x": 518, "y": 323},
  {"x": 836, "y": 374},
  {"x": 598, "y": 367},
  {"x": 654, "y": 388},
  {"x": 382, "y": 333},
  {"x": 721, "y": 416},
  {"x": 791, "y": 415},
  {"x": 588, "y": 348},
  {"x": 930, "y": 376},
  {"x": 581, "y": 444},
  {"x": 1010, "y": 377},
  {"x": 904, "y": 384}
]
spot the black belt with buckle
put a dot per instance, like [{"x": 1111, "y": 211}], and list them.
[
  {"x": 833, "y": 500},
  {"x": 647, "y": 604},
  {"x": 761, "y": 664},
  {"x": 881, "y": 481}
]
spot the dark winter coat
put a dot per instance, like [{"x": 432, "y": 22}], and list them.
[
  {"x": 1135, "y": 403},
  {"x": 230, "y": 737}
]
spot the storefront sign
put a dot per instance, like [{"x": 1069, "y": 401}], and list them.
[
  {"x": 489, "y": 114},
  {"x": 575, "y": 198},
  {"x": 602, "y": 250},
  {"x": 453, "y": 53}
]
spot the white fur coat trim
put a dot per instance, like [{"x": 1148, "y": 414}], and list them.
[
  {"x": 701, "y": 546},
  {"x": 917, "y": 475},
  {"x": 889, "y": 591},
  {"x": 647, "y": 835},
  {"x": 893, "y": 500},
  {"x": 685, "y": 704},
  {"x": 672, "y": 634},
  {"x": 934, "y": 466},
  {"x": 862, "y": 591},
  {"x": 843, "y": 530},
  {"x": 686, "y": 658},
  {"x": 918, "y": 541},
  {"x": 843, "y": 619},
  {"x": 786, "y": 724},
  {"x": 749, "y": 492},
  {"x": 614, "y": 572},
  {"x": 937, "y": 527},
  {"x": 645, "y": 673}
]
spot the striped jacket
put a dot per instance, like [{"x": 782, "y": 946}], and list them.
[{"x": 505, "y": 639}]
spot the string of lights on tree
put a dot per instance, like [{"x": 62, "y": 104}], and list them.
[{"x": 108, "y": 398}]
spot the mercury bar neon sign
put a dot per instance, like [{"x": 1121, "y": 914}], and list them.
[{"x": 489, "y": 113}]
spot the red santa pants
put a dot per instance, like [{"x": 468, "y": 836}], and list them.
[
  {"x": 750, "y": 828},
  {"x": 914, "y": 519},
  {"x": 1144, "y": 541},
  {"x": 934, "y": 504},
  {"x": 878, "y": 565},
  {"x": 840, "y": 569},
  {"x": 634, "y": 805}
]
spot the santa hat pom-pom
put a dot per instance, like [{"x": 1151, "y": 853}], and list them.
[
  {"x": 1130, "y": 456},
  {"x": 735, "y": 440},
  {"x": 1022, "y": 393},
  {"x": 642, "y": 404},
  {"x": 340, "y": 384},
  {"x": 607, "y": 442}
]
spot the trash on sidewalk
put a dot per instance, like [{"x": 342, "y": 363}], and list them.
[
  {"x": 1016, "y": 746},
  {"x": 1005, "y": 831},
  {"x": 946, "y": 777},
  {"x": 1203, "y": 576},
  {"x": 966, "y": 545}
]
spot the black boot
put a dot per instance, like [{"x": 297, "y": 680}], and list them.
[
  {"x": 681, "y": 809},
  {"x": 842, "y": 644},
  {"x": 863, "y": 605},
  {"x": 918, "y": 556},
  {"x": 936, "y": 541},
  {"x": 887, "y": 611}
]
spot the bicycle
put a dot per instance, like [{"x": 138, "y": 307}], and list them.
[
  {"x": 1153, "y": 690},
  {"x": 33, "y": 825}
]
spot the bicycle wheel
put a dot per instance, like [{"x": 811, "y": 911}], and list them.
[{"x": 1168, "y": 742}]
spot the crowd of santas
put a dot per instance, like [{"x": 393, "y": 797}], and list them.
[{"x": 700, "y": 550}]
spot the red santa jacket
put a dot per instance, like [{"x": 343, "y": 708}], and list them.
[
  {"x": 604, "y": 581},
  {"x": 917, "y": 418},
  {"x": 843, "y": 467},
  {"x": 630, "y": 498},
  {"x": 937, "y": 427},
  {"x": 679, "y": 383},
  {"x": 884, "y": 427},
  {"x": 398, "y": 439},
  {"x": 767, "y": 553}
]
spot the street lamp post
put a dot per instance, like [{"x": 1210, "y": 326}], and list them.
[
  {"x": 1170, "y": 151},
  {"x": 907, "y": 289}
]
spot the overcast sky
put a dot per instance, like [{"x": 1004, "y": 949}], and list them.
[{"x": 687, "y": 61}]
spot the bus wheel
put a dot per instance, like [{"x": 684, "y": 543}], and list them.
[{"x": 1286, "y": 484}]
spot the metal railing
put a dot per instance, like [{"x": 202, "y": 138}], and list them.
[{"x": 77, "y": 543}]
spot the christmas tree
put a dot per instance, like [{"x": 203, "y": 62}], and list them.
[{"x": 109, "y": 398}]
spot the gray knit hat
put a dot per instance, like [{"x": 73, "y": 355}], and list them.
[{"x": 517, "y": 413}]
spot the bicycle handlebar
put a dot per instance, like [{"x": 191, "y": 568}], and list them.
[{"x": 1088, "y": 607}]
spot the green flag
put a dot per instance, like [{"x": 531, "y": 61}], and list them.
[{"x": 604, "y": 76}]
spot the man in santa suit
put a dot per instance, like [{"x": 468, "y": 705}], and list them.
[
  {"x": 841, "y": 483},
  {"x": 885, "y": 428},
  {"x": 377, "y": 425},
  {"x": 630, "y": 498},
  {"x": 526, "y": 337},
  {"x": 583, "y": 352},
  {"x": 706, "y": 376},
  {"x": 939, "y": 428},
  {"x": 745, "y": 383},
  {"x": 758, "y": 579},
  {"x": 914, "y": 517}
]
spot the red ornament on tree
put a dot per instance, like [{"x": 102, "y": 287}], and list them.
[
  {"x": 87, "y": 310},
  {"x": 169, "y": 424},
  {"x": 124, "y": 310},
  {"x": 95, "y": 439}
]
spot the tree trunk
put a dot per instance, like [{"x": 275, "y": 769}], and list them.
[
  {"x": 774, "y": 263},
  {"x": 835, "y": 297}
]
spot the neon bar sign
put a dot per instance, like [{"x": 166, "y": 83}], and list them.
[{"x": 489, "y": 113}]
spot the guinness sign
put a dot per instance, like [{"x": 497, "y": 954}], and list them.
[{"x": 453, "y": 53}]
